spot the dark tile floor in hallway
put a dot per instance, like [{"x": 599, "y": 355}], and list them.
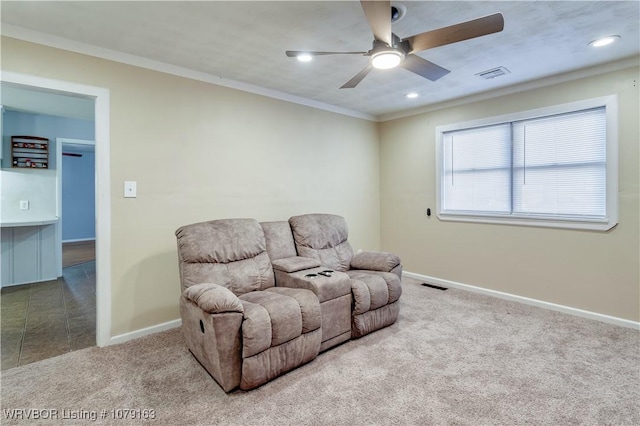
[{"x": 43, "y": 320}]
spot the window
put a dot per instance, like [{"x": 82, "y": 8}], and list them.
[{"x": 550, "y": 167}]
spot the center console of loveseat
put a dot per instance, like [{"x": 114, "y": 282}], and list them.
[
  {"x": 334, "y": 294},
  {"x": 332, "y": 288}
]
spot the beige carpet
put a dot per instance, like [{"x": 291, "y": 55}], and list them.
[{"x": 453, "y": 357}]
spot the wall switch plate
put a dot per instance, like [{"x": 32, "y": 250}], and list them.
[
  {"x": 130, "y": 190},
  {"x": 24, "y": 204}
]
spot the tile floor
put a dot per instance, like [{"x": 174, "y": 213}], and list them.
[{"x": 43, "y": 320}]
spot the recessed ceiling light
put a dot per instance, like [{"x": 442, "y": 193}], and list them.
[
  {"x": 304, "y": 57},
  {"x": 411, "y": 95},
  {"x": 604, "y": 41}
]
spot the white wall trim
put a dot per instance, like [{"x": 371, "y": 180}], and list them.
[
  {"x": 101, "y": 98},
  {"x": 20, "y": 33},
  {"x": 77, "y": 141},
  {"x": 122, "y": 338},
  {"x": 527, "y": 301},
  {"x": 78, "y": 240}
]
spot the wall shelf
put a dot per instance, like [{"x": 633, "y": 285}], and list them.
[{"x": 29, "y": 152}]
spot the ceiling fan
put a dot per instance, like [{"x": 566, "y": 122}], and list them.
[{"x": 389, "y": 50}]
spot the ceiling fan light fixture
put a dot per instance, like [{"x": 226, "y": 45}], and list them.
[
  {"x": 304, "y": 57},
  {"x": 387, "y": 59},
  {"x": 603, "y": 41}
]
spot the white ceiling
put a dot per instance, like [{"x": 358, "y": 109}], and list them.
[{"x": 245, "y": 42}]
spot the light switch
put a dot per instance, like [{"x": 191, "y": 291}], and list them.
[
  {"x": 130, "y": 190},
  {"x": 24, "y": 204}
]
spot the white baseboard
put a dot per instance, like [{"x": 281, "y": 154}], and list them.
[
  {"x": 29, "y": 282},
  {"x": 121, "y": 338},
  {"x": 78, "y": 240},
  {"x": 528, "y": 301}
]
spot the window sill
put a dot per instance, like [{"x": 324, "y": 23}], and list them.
[{"x": 602, "y": 225}]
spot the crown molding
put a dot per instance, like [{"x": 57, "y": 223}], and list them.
[
  {"x": 37, "y": 37},
  {"x": 625, "y": 63}
]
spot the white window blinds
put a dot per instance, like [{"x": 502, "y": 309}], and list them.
[
  {"x": 559, "y": 165},
  {"x": 549, "y": 167},
  {"x": 477, "y": 170}
]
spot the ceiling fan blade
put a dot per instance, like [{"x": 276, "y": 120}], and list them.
[
  {"x": 455, "y": 33},
  {"x": 357, "y": 78},
  {"x": 295, "y": 53},
  {"x": 378, "y": 14},
  {"x": 423, "y": 68}
]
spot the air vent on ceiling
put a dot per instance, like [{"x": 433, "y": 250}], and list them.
[{"x": 493, "y": 73}]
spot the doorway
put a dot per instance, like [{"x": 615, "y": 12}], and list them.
[{"x": 100, "y": 97}]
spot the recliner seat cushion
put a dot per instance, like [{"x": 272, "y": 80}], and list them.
[
  {"x": 276, "y": 316},
  {"x": 281, "y": 330}
]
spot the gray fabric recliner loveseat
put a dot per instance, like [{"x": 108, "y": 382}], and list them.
[{"x": 255, "y": 303}]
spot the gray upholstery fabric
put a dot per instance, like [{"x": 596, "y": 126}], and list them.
[
  {"x": 394, "y": 285},
  {"x": 220, "y": 241},
  {"x": 277, "y": 360},
  {"x": 336, "y": 321},
  {"x": 319, "y": 230},
  {"x": 279, "y": 239},
  {"x": 228, "y": 252},
  {"x": 323, "y": 237},
  {"x": 295, "y": 264},
  {"x": 325, "y": 288},
  {"x": 397, "y": 271},
  {"x": 281, "y": 330},
  {"x": 256, "y": 329},
  {"x": 373, "y": 320},
  {"x": 375, "y": 261},
  {"x": 215, "y": 341},
  {"x": 308, "y": 303},
  {"x": 375, "y": 276},
  {"x": 213, "y": 298},
  {"x": 334, "y": 294},
  {"x": 242, "y": 334},
  {"x": 337, "y": 258},
  {"x": 244, "y": 330},
  {"x": 283, "y": 314}
]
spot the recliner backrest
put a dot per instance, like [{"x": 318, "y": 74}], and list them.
[
  {"x": 228, "y": 252},
  {"x": 324, "y": 237}
]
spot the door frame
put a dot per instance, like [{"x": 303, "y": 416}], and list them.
[
  {"x": 101, "y": 97},
  {"x": 59, "y": 143}
]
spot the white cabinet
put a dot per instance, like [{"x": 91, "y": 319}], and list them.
[{"x": 29, "y": 253}]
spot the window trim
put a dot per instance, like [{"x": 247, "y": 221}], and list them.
[{"x": 610, "y": 103}]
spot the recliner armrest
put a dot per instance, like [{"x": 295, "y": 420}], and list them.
[
  {"x": 295, "y": 264},
  {"x": 213, "y": 298},
  {"x": 375, "y": 261}
]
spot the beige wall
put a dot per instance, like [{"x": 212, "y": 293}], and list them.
[
  {"x": 593, "y": 271},
  {"x": 201, "y": 152}
]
